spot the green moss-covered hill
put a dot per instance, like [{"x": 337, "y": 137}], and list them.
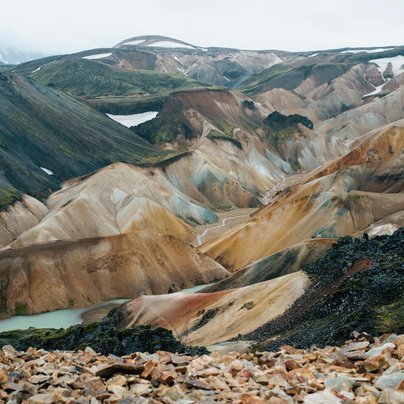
[{"x": 43, "y": 127}]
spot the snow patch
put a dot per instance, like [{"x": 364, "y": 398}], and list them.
[
  {"x": 118, "y": 195},
  {"x": 136, "y": 42},
  {"x": 134, "y": 119},
  {"x": 387, "y": 228},
  {"x": 312, "y": 55},
  {"x": 169, "y": 44},
  {"x": 367, "y": 50},
  {"x": 377, "y": 90},
  {"x": 97, "y": 56},
  {"x": 47, "y": 171},
  {"x": 36, "y": 70},
  {"x": 396, "y": 61},
  {"x": 179, "y": 61}
]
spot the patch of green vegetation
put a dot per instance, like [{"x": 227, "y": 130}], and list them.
[
  {"x": 168, "y": 126},
  {"x": 274, "y": 138},
  {"x": 295, "y": 165},
  {"x": 290, "y": 77},
  {"x": 169, "y": 158},
  {"x": 215, "y": 135},
  {"x": 226, "y": 127},
  {"x": 20, "y": 309},
  {"x": 87, "y": 78},
  {"x": 8, "y": 196},
  {"x": 250, "y": 85},
  {"x": 390, "y": 317},
  {"x": 251, "y": 126}
]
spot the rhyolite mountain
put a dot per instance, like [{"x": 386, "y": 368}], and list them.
[{"x": 94, "y": 210}]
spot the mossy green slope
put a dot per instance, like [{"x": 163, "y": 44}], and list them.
[
  {"x": 89, "y": 78},
  {"x": 43, "y": 127}
]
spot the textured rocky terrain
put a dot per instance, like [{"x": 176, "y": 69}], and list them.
[
  {"x": 314, "y": 293},
  {"x": 363, "y": 370}
]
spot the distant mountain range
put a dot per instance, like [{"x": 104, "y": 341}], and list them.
[{"x": 13, "y": 56}]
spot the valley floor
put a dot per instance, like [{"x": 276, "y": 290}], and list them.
[
  {"x": 364, "y": 370},
  {"x": 227, "y": 221}
]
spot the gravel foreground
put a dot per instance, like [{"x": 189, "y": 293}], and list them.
[{"x": 364, "y": 370}]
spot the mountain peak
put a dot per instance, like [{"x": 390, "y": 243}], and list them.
[{"x": 156, "y": 41}]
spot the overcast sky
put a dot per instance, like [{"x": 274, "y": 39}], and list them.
[{"x": 56, "y": 26}]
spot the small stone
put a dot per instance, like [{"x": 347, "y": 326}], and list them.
[
  {"x": 368, "y": 399},
  {"x": 236, "y": 365},
  {"x": 303, "y": 374},
  {"x": 338, "y": 383},
  {"x": 174, "y": 393},
  {"x": 291, "y": 364},
  {"x": 248, "y": 305},
  {"x": 262, "y": 379},
  {"x": 168, "y": 378},
  {"x": 10, "y": 386},
  {"x": 108, "y": 371},
  {"x": 140, "y": 389},
  {"x": 322, "y": 397},
  {"x": 148, "y": 368},
  {"x": 376, "y": 363},
  {"x": 198, "y": 384},
  {"x": 200, "y": 363},
  {"x": 356, "y": 355},
  {"x": 3, "y": 376},
  {"x": 38, "y": 379},
  {"x": 277, "y": 380},
  {"x": 246, "y": 373},
  {"x": 41, "y": 399},
  {"x": 180, "y": 359},
  {"x": 389, "y": 381},
  {"x": 390, "y": 396},
  {"x": 90, "y": 351},
  {"x": 118, "y": 390},
  {"x": 212, "y": 371},
  {"x": 354, "y": 346},
  {"x": 380, "y": 349}
]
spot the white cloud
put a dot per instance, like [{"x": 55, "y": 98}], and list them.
[{"x": 72, "y": 25}]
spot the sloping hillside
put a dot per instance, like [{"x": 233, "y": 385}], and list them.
[
  {"x": 340, "y": 198},
  {"x": 48, "y": 136}
]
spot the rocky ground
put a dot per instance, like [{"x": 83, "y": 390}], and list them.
[{"x": 364, "y": 370}]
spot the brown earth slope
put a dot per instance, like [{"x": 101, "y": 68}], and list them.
[{"x": 61, "y": 274}]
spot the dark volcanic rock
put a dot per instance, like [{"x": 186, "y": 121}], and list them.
[
  {"x": 103, "y": 337},
  {"x": 278, "y": 121},
  {"x": 357, "y": 285}
]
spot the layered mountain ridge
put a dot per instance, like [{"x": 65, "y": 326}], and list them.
[{"x": 133, "y": 171}]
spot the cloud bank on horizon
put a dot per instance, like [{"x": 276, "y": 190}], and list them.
[{"x": 67, "y": 26}]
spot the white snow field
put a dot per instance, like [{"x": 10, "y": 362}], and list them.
[
  {"x": 396, "y": 61},
  {"x": 47, "y": 171},
  {"x": 97, "y": 56},
  {"x": 134, "y": 119},
  {"x": 367, "y": 50}
]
